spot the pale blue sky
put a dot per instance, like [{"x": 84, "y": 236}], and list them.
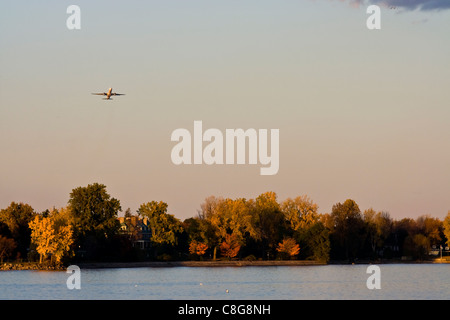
[{"x": 362, "y": 114}]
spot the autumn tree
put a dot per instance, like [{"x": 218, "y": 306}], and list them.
[
  {"x": 201, "y": 230},
  {"x": 229, "y": 217},
  {"x": 431, "y": 228},
  {"x": 51, "y": 236},
  {"x": 230, "y": 246},
  {"x": 301, "y": 212},
  {"x": 288, "y": 248},
  {"x": 302, "y": 216},
  {"x": 42, "y": 234},
  {"x": 197, "y": 248},
  {"x": 62, "y": 221},
  {"x": 233, "y": 217}
]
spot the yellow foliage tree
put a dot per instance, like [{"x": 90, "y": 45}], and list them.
[
  {"x": 51, "y": 236},
  {"x": 301, "y": 212},
  {"x": 230, "y": 216}
]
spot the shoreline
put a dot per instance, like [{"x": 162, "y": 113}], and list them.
[
  {"x": 201, "y": 264},
  {"x": 11, "y": 266},
  {"x": 239, "y": 263},
  {"x": 17, "y": 266}
]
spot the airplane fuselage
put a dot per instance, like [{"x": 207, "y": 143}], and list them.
[{"x": 108, "y": 94}]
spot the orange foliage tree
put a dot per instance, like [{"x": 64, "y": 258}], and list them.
[
  {"x": 198, "y": 248},
  {"x": 230, "y": 246},
  {"x": 288, "y": 247}
]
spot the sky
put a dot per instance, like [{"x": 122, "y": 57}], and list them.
[{"x": 362, "y": 114}]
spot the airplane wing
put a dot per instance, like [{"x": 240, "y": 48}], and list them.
[
  {"x": 117, "y": 94},
  {"x": 101, "y": 94}
]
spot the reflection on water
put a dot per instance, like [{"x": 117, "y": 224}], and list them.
[{"x": 398, "y": 281}]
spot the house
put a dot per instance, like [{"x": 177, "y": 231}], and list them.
[{"x": 137, "y": 230}]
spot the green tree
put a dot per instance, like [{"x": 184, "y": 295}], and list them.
[
  {"x": 165, "y": 227},
  {"x": 94, "y": 216},
  {"x": 446, "y": 224},
  {"x": 317, "y": 242},
  {"x": 269, "y": 221},
  {"x": 201, "y": 230},
  {"x": 16, "y": 218},
  {"x": 403, "y": 231},
  {"x": 7, "y": 247},
  {"x": 417, "y": 246},
  {"x": 378, "y": 228},
  {"x": 347, "y": 232},
  {"x": 128, "y": 213}
]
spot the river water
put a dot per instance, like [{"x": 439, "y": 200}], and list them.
[{"x": 398, "y": 281}]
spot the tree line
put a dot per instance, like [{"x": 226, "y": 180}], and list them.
[{"x": 88, "y": 228}]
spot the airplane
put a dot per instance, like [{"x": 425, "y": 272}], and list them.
[{"x": 109, "y": 94}]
